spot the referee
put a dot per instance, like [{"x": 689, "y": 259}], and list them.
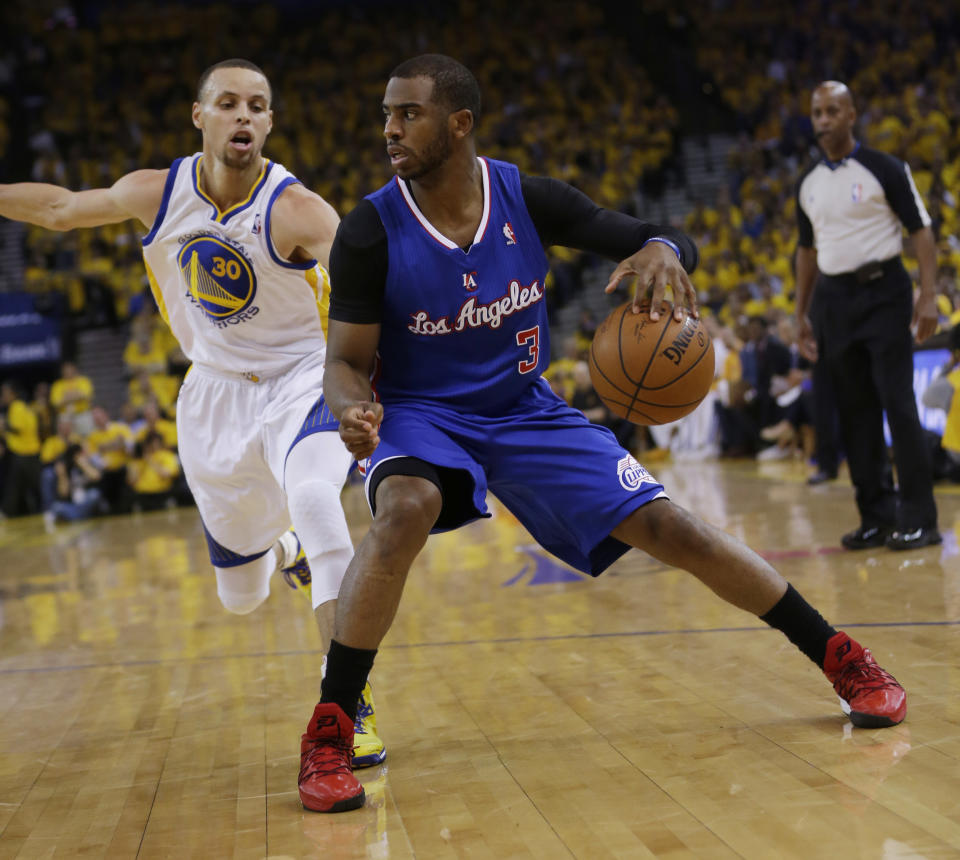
[{"x": 857, "y": 316}]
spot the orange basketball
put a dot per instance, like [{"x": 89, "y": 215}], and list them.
[{"x": 651, "y": 372}]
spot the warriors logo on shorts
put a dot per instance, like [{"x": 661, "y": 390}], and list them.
[
  {"x": 220, "y": 279},
  {"x": 632, "y": 474}
]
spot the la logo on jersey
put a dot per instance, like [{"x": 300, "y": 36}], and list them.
[
  {"x": 470, "y": 281},
  {"x": 632, "y": 475},
  {"x": 509, "y": 234},
  {"x": 219, "y": 279}
]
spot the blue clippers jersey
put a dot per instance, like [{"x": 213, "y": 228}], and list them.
[{"x": 467, "y": 328}]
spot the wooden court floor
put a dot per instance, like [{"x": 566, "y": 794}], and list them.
[{"x": 528, "y": 711}]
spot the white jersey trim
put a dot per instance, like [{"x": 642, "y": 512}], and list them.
[{"x": 433, "y": 231}]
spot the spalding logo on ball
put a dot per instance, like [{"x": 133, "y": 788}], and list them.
[{"x": 651, "y": 372}]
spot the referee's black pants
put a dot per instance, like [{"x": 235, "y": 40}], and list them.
[{"x": 865, "y": 330}]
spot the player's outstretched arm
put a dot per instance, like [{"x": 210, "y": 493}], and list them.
[
  {"x": 302, "y": 225},
  {"x": 351, "y": 353},
  {"x": 136, "y": 195}
]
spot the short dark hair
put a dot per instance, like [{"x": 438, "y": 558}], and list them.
[
  {"x": 235, "y": 63},
  {"x": 454, "y": 85}
]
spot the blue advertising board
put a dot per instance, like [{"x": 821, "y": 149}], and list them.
[
  {"x": 26, "y": 335},
  {"x": 926, "y": 363}
]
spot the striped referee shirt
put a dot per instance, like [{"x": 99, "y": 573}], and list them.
[{"x": 854, "y": 210}]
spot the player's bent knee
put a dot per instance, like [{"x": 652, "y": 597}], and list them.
[
  {"x": 658, "y": 521},
  {"x": 318, "y": 515},
  {"x": 240, "y": 604},
  {"x": 243, "y": 588},
  {"x": 407, "y": 509}
]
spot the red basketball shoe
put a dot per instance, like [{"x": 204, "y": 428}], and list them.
[
  {"x": 327, "y": 783},
  {"x": 870, "y": 696}
]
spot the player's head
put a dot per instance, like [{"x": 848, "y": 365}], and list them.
[
  {"x": 233, "y": 111},
  {"x": 431, "y": 104},
  {"x": 833, "y": 114}
]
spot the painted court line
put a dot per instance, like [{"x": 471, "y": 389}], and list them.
[{"x": 507, "y": 640}]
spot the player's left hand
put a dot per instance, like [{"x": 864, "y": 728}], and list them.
[
  {"x": 360, "y": 428},
  {"x": 925, "y": 316},
  {"x": 652, "y": 268}
]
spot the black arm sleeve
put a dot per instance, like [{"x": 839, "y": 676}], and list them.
[
  {"x": 565, "y": 216},
  {"x": 358, "y": 267},
  {"x": 901, "y": 193},
  {"x": 804, "y": 227}
]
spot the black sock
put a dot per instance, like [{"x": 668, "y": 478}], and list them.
[
  {"x": 801, "y": 624},
  {"x": 347, "y": 670}
]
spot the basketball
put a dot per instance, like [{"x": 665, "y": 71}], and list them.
[{"x": 651, "y": 372}]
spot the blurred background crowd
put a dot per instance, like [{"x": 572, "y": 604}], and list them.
[{"x": 694, "y": 112}]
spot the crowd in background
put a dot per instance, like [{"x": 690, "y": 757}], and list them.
[
  {"x": 98, "y": 92},
  {"x": 67, "y": 457}
]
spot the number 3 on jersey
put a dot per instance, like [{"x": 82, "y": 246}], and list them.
[{"x": 530, "y": 338}]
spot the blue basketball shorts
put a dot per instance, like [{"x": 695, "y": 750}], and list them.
[{"x": 566, "y": 480}]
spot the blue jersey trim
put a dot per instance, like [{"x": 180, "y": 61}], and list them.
[
  {"x": 319, "y": 420},
  {"x": 286, "y": 183},
  {"x": 226, "y": 216},
  {"x": 164, "y": 202},
  {"x": 195, "y": 178},
  {"x": 220, "y": 556}
]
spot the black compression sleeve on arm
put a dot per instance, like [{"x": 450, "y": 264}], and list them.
[
  {"x": 358, "y": 267},
  {"x": 898, "y": 186},
  {"x": 565, "y": 216}
]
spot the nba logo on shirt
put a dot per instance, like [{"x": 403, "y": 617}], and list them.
[
  {"x": 469, "y": 281},
  {"x": 856, "y": 192},
  {"x": 256, "y": 225},
  {"x": 509, "y": 234}
]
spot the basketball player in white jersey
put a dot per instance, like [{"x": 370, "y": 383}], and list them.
[{"x": 236, "y": 255}]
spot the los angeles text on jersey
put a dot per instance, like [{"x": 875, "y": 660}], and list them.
[{"x": 475, "y": 315}]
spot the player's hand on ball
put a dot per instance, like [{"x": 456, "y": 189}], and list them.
[
  {"x": 652, "y": 268},
  {"x": 360, "y": 428}
]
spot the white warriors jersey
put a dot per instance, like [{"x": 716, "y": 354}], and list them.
[{"x": 231, "y": 301}]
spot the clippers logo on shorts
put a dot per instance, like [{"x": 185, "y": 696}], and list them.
[
  {"x": 632, "y": 475},
  {"x": 219, "y": 279}
]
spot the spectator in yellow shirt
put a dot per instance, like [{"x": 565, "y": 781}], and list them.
[
  {"x": 46, "y": 419},
  {"x": 143, "y": 388},
  {"x": 21, "y": 485},
  {"x": 77, "y": 495},
  {"x": 71, "y": 395},
  {"x": 110, "y": 445},
  {"x": 154, "y": 422},
  {"x": 144, "y": 353},
  {"x": 153, "y": 474},
  {"x": 53, "y": 448}
]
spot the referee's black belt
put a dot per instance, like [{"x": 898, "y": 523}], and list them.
[{"x": 868, "y": 273}]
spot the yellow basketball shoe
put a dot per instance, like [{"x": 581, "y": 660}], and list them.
[
  {"x": 368, "y": 749},
  {"x": 294, "y": 567}
]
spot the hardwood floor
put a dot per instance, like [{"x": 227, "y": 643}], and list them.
[{"x": 528, "y": 711}]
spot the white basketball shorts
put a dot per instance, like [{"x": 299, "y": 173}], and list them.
[{"x": 233, "y": 437}]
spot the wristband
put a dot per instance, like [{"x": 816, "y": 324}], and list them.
[{"x": 671, "y": 245}]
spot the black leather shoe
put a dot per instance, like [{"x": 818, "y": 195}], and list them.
[
  {"x": 821, "y": 477},
  {"x": 913, "y": 539},
  {"x": 865, "y": 537}
]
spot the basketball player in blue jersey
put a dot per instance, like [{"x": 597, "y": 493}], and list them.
[
  {"x": 438, "y": 282},
  {"x": 236, "y": 254}
]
